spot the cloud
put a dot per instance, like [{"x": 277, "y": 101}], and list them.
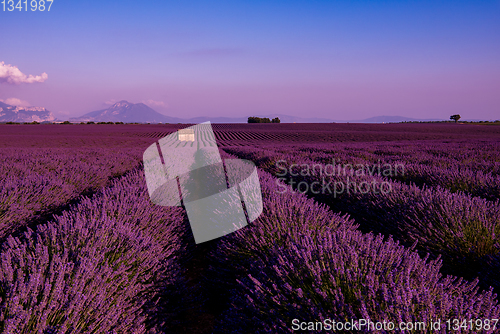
[
  {"x": 12, "y": 75},
  {"x": 16, "y": 102},
  {"x": 153, "y": 103}
]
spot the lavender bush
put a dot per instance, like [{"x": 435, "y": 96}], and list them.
[
  {"x": 454, "y": 179},
  {"x": 475, "y": 155},
  {"x": 116, "y": 263},
  {"x": 464, "y": 230},
  {"x": 291, "y": 266},
  {"x": 95, "y": 268},
  {"x": 283, "y": 217},
  {"x": 347, "y": 275},
  {"x": 472, "y": 167},
  {"x": 35, "y": 181}
]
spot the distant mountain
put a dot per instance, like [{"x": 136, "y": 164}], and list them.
[
  {"x": 10, "y": 113},
  {"x": 127, "y": 112},
  {"x": 392, "y": 119}
]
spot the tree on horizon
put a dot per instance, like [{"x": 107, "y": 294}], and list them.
[{"x": 455, "y": 117}]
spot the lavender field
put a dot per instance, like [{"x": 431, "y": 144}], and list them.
[{"x": 364, "y": 224}]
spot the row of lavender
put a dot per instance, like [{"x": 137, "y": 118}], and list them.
[
  {"x": 471, "y": 167},
  {"x": 110, "y": 264},
  {"x": 464, "y": 230},
  {"x": 35, "y": 181},
  {"x": 107, "y": 265},
  {"x": 300, "y": 262},
  {"x": 480, "y": 154}
]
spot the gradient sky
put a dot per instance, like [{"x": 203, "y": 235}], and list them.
[{"x": 342, "y": 60}]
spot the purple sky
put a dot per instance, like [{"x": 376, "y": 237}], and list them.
[{"x": 342, "y": 60}]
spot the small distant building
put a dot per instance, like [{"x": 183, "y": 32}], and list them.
[{"x": 185, "y": 134}]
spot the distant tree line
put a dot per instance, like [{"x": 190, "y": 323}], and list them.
[{"x": 263, "y": 120}]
